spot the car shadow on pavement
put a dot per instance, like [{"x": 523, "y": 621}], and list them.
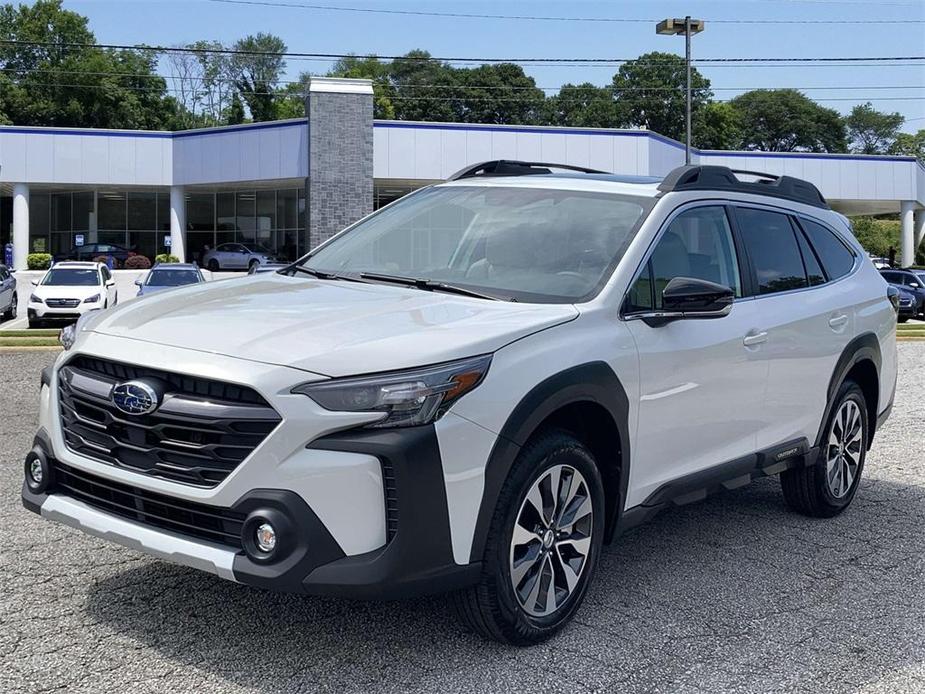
[{"x": 734, "y": 593}]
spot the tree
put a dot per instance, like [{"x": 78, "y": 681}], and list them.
[
  {"x": 871, "y": 131},
  {"x": 61, "y": 79},
  {"x": 650, "y": 93},
  {"x": 582, "y": 106},
  {"x": 291, "y": 100},
  {"x": 255, "y": 68},
  {"x": 910, "y": 145},
  {"x": 371, "y": 68},
  {"x": 717, "y": 125},
  {"x": 499, "y": 93},
  {"x": 424, "y": 88},
  {"x": 785, "y": 120},
  {"x": 235, "y": 112}
]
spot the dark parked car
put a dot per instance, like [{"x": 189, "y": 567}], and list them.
[
  {"x": 169, "y": 275},
  {"x": 910, "y": 280},
  {"x": 89, "y": 251},
  {"x": 8, "y": 297},
  {"x": 910, "y": 304}
]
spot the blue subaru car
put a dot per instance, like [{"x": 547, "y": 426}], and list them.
[{"x": 167, "y": 275}]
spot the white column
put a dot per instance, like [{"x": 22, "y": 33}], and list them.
[
  {"x": 907, "y": 235},
  {"x": 919, "y": 226},
  {"x": 20, "y": 225},
  {"x": 178, "y": 222}
]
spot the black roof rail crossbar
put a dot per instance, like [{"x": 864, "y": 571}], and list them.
[
  {"x": 510, "y": 167},
  {"x": 693, "y": 177}
]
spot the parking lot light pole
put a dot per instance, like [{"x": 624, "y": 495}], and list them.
[{"x": 688, "y": 27}]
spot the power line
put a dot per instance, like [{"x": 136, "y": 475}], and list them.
[
  {"x": 337, "y": 56},
  {"x": 620, "y": 20}
]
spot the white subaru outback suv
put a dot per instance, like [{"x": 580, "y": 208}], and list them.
[{"x": 476, "y": 387}]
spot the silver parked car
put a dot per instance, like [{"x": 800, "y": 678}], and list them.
[{"x": 237, "y": 256}]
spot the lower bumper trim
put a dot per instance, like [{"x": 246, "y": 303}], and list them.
[{"x": 157, "y": 542}]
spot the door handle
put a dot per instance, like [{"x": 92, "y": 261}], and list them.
[
  {"x": 836, "y": 322},
  {"x": 755, "y": 338}
]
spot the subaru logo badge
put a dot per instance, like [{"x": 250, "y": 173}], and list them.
[{"x": 135, "y": 397}]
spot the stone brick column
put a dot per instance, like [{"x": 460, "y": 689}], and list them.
[{"x": 339, "y": 187}]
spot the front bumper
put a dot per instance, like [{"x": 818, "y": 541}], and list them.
[
  {"x": 37, "y": 311},
  {"x": 414, "y": 556}
]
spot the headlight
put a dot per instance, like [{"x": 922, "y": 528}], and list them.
[
  {"x": 35, "y": 299},
  {"x": 68, "y": 335},
  {"x": 407, "y": 398},
  {"x": 92, "y": 299}
]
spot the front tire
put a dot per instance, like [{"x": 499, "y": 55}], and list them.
[
  {"x": 213, "y": 265},
  {"x": 827, "y": 488},
  {"x": 542, "y": 546}
]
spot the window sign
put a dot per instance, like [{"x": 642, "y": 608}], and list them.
[
  {"x": 78, "y": 239},
  {"x": 167, "y": 241}
]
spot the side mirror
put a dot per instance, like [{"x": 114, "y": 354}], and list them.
[
  {"x": 914, "y": 285},
  {"x": 110, "y": 283},
  {"x": 35, "y": 283},
  {"x": 138, "y": 283},
  {"x": 687, "y": 298}
]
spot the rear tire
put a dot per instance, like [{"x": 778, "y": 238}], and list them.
[
  {"x": 542, "y": 548},
  {"x": 213, "y": 265},
  {"x": 827, "y": 488}
]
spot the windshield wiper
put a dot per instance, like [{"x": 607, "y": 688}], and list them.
[
  {"x": 321, "y": 274},
  {"x": 432, "y": 286}
]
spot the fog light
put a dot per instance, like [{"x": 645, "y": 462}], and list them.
[
  {"x": 36, "y": 472},
  {"x": 266, "y": 537}
]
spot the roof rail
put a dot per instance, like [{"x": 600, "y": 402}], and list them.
[
  {"x": 510, "y": 167},
  {"x": 723, "y": 178}
]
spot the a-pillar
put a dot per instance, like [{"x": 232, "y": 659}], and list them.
[
  {"x": 20, "y": 225},
  {"x": 907, "y": 232},
  {"x": 178, "y": 223},
  {"x": 339, "y": 187}
]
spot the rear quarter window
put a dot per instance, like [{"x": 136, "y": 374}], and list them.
[{"x": 837, "y": 259}]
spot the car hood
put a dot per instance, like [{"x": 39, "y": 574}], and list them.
[
  {"x": 57, "y": 291},
  {"x": 328, "y": 327}
]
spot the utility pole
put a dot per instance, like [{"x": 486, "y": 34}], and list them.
[{"x": 688, "y": 27}]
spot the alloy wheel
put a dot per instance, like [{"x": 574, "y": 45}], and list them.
[
  {"x": 843, "y": 452},
  {"x": 551, "y": 540}
]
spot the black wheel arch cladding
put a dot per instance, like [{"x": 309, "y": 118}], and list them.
[
  {"x": 593, "y": 383},
  {"x": 863, "y": 348}
]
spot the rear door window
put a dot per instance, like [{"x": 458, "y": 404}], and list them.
[
  {"x": 772, "y": 248},
  {"x": 837, "y": 259}
]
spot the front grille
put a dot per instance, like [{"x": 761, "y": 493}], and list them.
[
  {"x": 62, "y": 303},
  {"x": 201, "y": 432},
  {"x": 210, "y": 523}
]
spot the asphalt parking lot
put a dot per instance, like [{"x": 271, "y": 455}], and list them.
[{"x": 733, "y": 594}]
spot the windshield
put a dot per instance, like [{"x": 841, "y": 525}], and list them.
[
  {"x": 72, "y": 277},
  {"x": 172, "y": 278},
  {"x": 528, "y": 244}
]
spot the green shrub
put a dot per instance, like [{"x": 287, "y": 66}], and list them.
[
  {"x": 38, "y": 261},
  {"x": 137, "y": 262},
  {"x": 166, "y": 258}
]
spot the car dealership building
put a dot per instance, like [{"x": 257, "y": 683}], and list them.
[{"x": 288, "y": 185}]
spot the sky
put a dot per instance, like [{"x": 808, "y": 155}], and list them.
[{"x": 734, "y": 29}]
